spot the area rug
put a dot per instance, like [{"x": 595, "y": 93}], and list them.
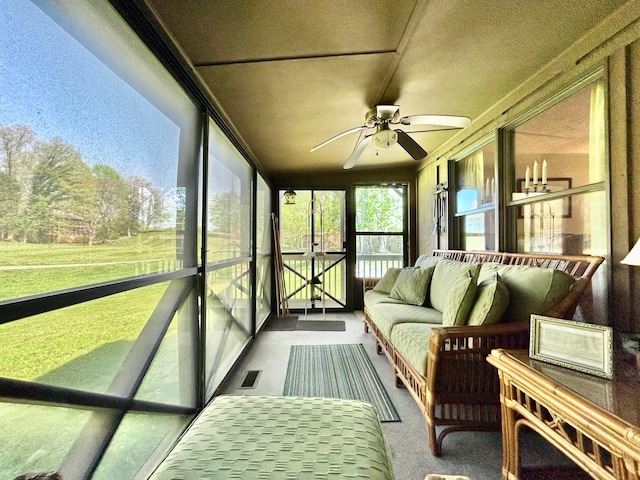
[
  {"x": 337, "y": 371},
  {"x": 291, "y": 322}
]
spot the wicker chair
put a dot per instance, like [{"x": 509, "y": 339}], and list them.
[{"x": 462, "y": 391}]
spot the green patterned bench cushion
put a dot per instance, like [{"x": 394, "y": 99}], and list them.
[
  {"x": 386, "y": 316},
  {"x": 263, "y": 437},
  {"x": 373, "y": 298},
  {"x": 411, "y": 340}
]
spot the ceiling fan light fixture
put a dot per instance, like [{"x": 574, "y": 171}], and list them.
[{"x": 385, "y": 138}]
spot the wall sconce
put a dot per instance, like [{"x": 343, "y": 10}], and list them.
[
  {"x": 633, "y": 257},
  {"x": 289, "y": 196}
]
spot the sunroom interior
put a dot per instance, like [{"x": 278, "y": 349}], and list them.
[{"x": 148, "y": 148}]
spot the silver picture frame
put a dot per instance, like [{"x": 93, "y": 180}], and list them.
[{"x": 579, "y": 346}]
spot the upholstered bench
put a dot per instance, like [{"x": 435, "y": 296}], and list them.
[{"x": 251, "y": 437}]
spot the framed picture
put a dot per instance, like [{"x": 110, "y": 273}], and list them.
[
  {"x": 580, "y": 346},
  {"x": 553, "y": 185}
]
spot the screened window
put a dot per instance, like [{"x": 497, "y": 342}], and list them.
[
  {"x": 229, "y": 311},
  {"x": 99, "y": 157},
  {"x": 380, "y": 229},
  {"x": 90, "y": 184}
]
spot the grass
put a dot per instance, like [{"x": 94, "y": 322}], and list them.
[{"x": 84, "y": 346}]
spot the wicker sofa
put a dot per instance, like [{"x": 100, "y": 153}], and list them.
[{"x": 444, "y": 367}]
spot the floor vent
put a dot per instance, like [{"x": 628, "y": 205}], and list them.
[{"x": 250, "y": 379}]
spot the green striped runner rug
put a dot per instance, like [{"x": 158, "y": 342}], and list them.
[{"x": 337, "y": 371}]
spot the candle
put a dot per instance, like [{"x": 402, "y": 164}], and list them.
[
  {"x": 487, "y": 192},
  {"x": 535, "y": 172},
  {"x": 544, "y": 172},
  {"x": 493, "y": 188},
  {"x": 526, "y": 179}
]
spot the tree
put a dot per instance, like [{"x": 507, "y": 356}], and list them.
[
  {"x": 378, "y": 209},
  {"x": 16, "y": 145},
  {"x": 145, "y": 205},
  {"x": 112, "y": 202},
  {"x": 63, "y": 186}
]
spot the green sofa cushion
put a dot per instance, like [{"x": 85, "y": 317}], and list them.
[
  {"x": 531, "y": 289},
  {"x": 460, "y": 299},
  {"x": 491, "y": 301},
  {"x": 387, "y": 316},
  {"x": 412, "y": 285},
  {"x": 388, "y": 280},
  {"x": 411, "y": 340},
  {"x": 372, "y": 298},
  {"x": 445, "y": 275}
]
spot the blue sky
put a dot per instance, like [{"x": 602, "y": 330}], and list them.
[{"x": 57, "y": 88}]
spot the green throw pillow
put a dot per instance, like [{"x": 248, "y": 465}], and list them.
[
  {"x": 445, "y": 275},
  {"x": 460, "y": 299},
  {"x": 388, "y": 280},
  {"x": 492, "y": 300},
  {"x": 531, "y": 289},
  {"x": 412, "y": 285}
]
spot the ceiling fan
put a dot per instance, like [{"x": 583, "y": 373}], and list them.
[{"x": 382, "y": 117}]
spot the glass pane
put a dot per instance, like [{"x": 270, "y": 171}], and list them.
[
  {"x": 573, "y": 225},
  {"x": 263, "y": 244},
  {"x": 82, "y": 346},
  {"x": 36, "y": 438},
  {"x": 329, "y": 229},
  {"x": 171, "y": 377},
  {"x": 376, "y": 253},
  {"x": 228, "y": 327},
  {"x": 90, "y": 154},
  {"x": 564, "y": 146},
  {"x": 479, "y": 231},
  {"x": 263, "y": 289},
  {"x": 475, "y": 174},
  {"x": 229, "y": 208},
  {"x": 379, "y": 209},
  {"x": 263, "y": 217},
  {"x": 294, "y": 223},
  {"x": 138, "y": 437}
]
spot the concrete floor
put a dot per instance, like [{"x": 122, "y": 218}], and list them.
[{"x": 477, "y": 455}]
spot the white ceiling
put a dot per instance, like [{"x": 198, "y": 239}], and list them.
[{"x": 288, "y": 75}]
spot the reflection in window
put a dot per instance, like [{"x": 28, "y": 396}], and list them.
[
  {"x": 558, "y": 150},
  {"x": 139, "y": 435},
  {"x": 479, "y": 231},
  {"x": 572, "y": 225},
  {"x": 228, "y": 327},
  {"x": 476, "y": 198},
  {"x": 476, "y": 184},
  {"x": 229, "y": 192},
  {"x": 36, "y": 438},
  {"x": 263, "y": 250},
  {"x": 564, "y": 142}
]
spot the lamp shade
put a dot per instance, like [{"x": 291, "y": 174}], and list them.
[
  {"x": 289, "y": 196},
  {"x": 385, "y": 138},
  {"x": 633, "y": 257}
]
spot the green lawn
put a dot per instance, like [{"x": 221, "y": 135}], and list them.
[{"x": 37, "y": 347}]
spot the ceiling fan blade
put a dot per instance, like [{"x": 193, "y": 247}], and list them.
[
  {"x": 447, "y": 120},
  {"x": 410, "y": 145},
  {"x": 353, "y": 130},
  {"x": 353, "y": 158}
]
